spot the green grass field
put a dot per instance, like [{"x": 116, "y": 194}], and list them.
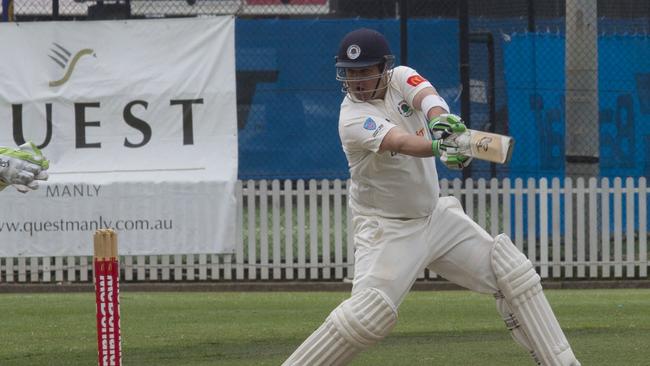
[{"x": 605, "y": 327}]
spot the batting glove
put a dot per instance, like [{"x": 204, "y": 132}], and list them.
[
  {"x": 445, "y": 125},
  {"x": 22, "y": 167},
  {"x": 455, "y": 161},
  {"x": 444, "y": 129}
]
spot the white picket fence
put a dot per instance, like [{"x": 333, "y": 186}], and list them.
[{"x": 297, "y": 230}]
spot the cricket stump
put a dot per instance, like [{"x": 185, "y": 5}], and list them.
[{"x": 107, "y": 297}]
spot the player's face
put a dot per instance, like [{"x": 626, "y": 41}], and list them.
[{"x": 365, "y": 83}]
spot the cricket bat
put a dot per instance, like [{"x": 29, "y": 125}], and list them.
[{"x": 486, "y": 146}]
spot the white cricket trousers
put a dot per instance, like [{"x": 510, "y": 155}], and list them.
[{"x": 391, "y": 253}]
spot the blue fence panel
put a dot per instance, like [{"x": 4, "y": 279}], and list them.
[
  {"x": 534, "y": 70},
  {"x": 289, "y": 98}
]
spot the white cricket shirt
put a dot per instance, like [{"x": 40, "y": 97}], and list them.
[{"x": 388, "y": 184}]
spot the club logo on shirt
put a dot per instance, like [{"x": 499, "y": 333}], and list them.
[
  {"x": 420, "y": 132},
  {"x": 404, "y": 109},
  {"x": 369, "y": 124},
  {"x": 415, "y": 80}
]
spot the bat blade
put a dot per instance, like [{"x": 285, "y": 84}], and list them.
[{"x": 491, "y": 146}]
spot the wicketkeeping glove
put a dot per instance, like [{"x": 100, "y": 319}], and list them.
[
  {"x": 22, "y": 167},
  {"x": 444, "y": 129}
]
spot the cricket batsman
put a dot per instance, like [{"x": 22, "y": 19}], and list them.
[
  {"x": 402, "y": 225},
  {"x": 22, "y": 168}
]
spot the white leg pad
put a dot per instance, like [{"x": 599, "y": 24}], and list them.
[
  {"x": 359, "y": 322},
  {"x": 522, "y": 290},
  {"x": 516, "y": 331}
]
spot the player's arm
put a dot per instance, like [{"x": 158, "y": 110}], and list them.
[
  {"x": 399, "y": 141},
  {"x": 429, "y": 102},
  {"x": 418, "y": 92},
  {"x": 442, "y": 125}
]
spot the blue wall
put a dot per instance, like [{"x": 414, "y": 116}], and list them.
[
  {"x": 534, "y": 71},
  {"x": 290, "y": 129},
  {"x": 288, "y": 98}
]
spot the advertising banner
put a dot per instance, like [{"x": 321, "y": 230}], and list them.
[{"x": 138, "y": 119}]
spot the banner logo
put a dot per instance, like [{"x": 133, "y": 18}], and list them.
[{"x": 67, "y": 61}]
